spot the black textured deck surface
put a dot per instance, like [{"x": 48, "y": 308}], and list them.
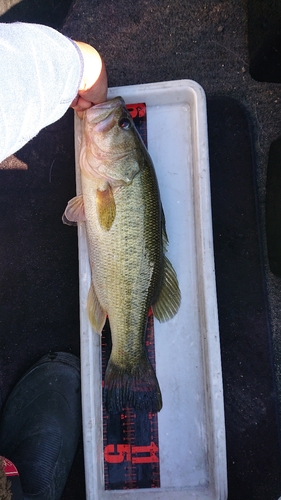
[{"x": 233, "y": 49}]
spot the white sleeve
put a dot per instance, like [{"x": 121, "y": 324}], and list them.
[{"x": 40, "y": 74}]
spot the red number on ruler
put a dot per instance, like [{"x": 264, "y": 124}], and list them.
[
  {"x": 115, "y": 454},
  {"x": 137, "y": 110}
]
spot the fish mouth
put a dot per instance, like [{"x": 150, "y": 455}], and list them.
[
  {"x": 102, "y": 116},
  {"x": 101, "y": 111},
  {"x": 110, "y": 104},
  {"x": 105, "y": 124}
]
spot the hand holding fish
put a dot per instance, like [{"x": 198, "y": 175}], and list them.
[{"x": 93, "y": 87}]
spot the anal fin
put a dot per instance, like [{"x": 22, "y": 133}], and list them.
[{"x": 96, "y": 314}]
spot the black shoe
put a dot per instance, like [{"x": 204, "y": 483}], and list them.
[{"x": 41, "y": 425}]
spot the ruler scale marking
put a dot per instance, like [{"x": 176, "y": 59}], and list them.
[{"x": 131, "y": 445}]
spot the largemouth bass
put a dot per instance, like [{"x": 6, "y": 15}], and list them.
[{"x": 127, "y": 241}]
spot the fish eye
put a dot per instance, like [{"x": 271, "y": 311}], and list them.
[{"x": 125, "y": 123}]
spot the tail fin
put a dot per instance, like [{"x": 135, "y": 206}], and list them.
[{"x": 135, "y": 387}]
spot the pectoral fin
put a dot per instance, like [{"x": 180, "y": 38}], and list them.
[
  {"x": 169, "y": 298},
  {"x": 96, "y": 314},
  {"x": 106, "y": 207},
  {"x": 74, "y": 211}
]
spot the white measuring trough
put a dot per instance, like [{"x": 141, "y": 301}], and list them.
[{"x": 191, "y": 423}]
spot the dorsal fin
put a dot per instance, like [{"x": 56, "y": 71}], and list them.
[{"x": 169, "y": 299}]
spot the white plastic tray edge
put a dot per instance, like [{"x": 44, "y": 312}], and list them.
[
  {"x": 91, "y": 400},
  {"x": 213, "y": 370}
]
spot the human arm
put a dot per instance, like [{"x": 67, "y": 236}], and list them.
[
  {"x": 41, "y": 75},
  {"x": 93, "y": 86}
]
